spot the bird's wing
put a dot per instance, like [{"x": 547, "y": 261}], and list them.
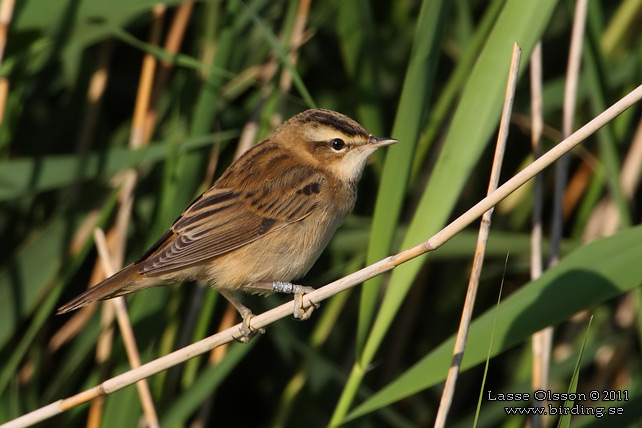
[{"x": 223, "y": 219}]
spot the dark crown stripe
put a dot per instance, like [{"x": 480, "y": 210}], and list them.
[{"x": 344, "y": 125}]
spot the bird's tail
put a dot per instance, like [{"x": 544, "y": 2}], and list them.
[{"x": 115, "y": 285}]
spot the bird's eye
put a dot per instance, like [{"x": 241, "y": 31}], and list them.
[{"x": 337, "y": 144}]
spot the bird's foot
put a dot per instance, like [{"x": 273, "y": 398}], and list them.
[
  {"x": 300, "y": 312},
  {"x": 246, "y": 329}
]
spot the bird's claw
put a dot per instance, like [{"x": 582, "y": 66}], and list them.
[
  {"x": 246, "y": 330},
  {"x": 300, "y": 312}
]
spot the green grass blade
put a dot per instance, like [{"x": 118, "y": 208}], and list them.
[
  {"x": 24, "y": 176},
  {"x": 44, "y": 14},
  {"x": 490, "y": 347},
  {"x": 565, "y": 420},
  {"x": 209, "y": 98},
  {"x": 444, "y": 104},
  {"x": 357, "y": 33},
  {"x": 408, "y": 123}
]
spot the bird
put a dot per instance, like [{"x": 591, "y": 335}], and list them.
[{"x": 264, "y": 222}]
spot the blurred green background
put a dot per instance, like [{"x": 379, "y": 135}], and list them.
[{"x": 431, "y": 74}]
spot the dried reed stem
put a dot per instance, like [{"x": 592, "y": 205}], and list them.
[
  {"x": 146, "y": 80},
  {"x": 544, "y": 339},
  {"x": 484, "y": 229},
  {"x": 95, "y": 92},
  {"x": 541, "y": 340},
  {"x": 6, "y": 12},
  {"x": 126, "y": 330},
  {"x": 537, "y": 121},
  {"x": 172, "y": 45},
  {"x": 349, "y": 281}
]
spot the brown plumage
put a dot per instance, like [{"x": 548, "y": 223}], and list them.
[{"x": 267, "y": 218}]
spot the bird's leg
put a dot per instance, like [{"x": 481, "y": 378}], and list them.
[
  {"x": 247, "y": 332},
  {"x": 299, "y": 291}
]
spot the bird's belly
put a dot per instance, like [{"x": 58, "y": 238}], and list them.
[{"x": 282, "y": 255}]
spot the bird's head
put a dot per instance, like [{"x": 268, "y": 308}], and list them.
[{"x": 331, "y": 141}]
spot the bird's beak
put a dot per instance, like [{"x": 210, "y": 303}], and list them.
[{"x": 380, "y": 142}]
